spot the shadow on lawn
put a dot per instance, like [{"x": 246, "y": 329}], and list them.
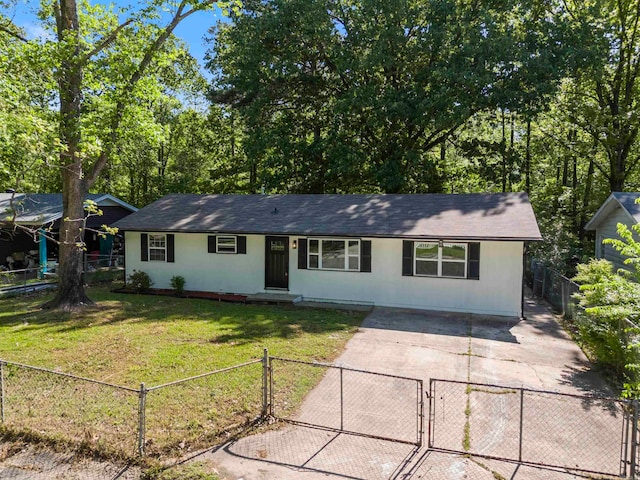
[{"x": 235, "y": 323}]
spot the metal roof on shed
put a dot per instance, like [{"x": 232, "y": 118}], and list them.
[{"x": 44, "y": 208}]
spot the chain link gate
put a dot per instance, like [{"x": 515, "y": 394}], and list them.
[
  {"x": 581, "y": 433},
  {"x": 347, "y": 400}
]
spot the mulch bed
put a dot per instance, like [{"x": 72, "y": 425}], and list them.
[{"x": 220, "y": 297}]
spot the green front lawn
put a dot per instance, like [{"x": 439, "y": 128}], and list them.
[{"x": 129, "y": 339}]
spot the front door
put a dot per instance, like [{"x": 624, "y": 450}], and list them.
[{"x": 276, "y": 262}]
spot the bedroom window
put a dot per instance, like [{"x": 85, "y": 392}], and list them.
[
  {"x": 444, "y": 259},
  {"x": 226, "y": 244},
  {"x": 157, "y": 248},
  {"x": 334, "y": 254}
]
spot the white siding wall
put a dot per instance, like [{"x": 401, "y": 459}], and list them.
[
  {"x": 498, "y": 291},
  {"x": 608, "y": 229},
  {"x": 203, "y": 271}
]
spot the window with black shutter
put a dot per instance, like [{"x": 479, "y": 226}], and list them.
[
  {"x": 227, "y": 244},
  {"x": 437, "y": 258},
  {"x": 342, "y": 254}
]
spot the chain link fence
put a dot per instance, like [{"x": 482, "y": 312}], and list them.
[
  {"x": 61, "y": 406},
  {"x": 581, "y": 433},
  {"x": 551, "y": 285},
  {"x": 221, "y": 401},
  {"x": 163, "y": 420},
  {"x": 348, "y": 400},
  {"x": 96, "y": 268}
]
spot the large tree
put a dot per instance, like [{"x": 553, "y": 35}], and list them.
[
  {"x": 100, "y": 64},
  {"x": 353, "y": 95},
  {"x": 604, "y": 96}
]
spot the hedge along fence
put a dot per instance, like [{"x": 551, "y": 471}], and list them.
[{"x": 161, "y": 420}]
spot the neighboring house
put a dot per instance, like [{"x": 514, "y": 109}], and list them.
[
  {"x": 21, "y": 249},
  {"x": 620, "y": 207},
  {"x": 443, "y": 252}
]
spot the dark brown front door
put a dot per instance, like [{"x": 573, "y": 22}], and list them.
[{"x": 276, "y": 262}]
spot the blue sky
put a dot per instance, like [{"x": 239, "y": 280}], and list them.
[{"x": 192, "y": 30}]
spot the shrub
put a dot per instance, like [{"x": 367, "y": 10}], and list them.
[
  {"x": 177, "y": 283},
  {"x": 607, "y": 328},
  {"x": 140, "y": 281}
]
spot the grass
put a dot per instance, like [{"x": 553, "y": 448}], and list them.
[{"x": 132, "y": 339}]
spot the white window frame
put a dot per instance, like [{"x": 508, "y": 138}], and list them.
[
  {"x": 155, "y": 237},
  {"x": 226, "y": 237},
  {"x": 440, "y": 260},
  {"x": 347, "y": 255}
]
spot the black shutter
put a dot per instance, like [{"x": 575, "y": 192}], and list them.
[
  {"x": 302, "y": 254},
  {"x": 407, "y": 258},
  {"x": 144, "y": 247},
  {"x": 241, "y": 244},
  {"x": 211, "y": 244},
  {"x": 473, "y": 261},
  {"x": 365, "y": 255},
  {"x": 171, "y": 257}
]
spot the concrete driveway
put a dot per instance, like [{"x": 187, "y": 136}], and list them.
[{"x": 533, "y": 353}]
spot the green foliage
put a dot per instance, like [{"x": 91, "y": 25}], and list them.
[
  {"x": 350, "y": 96},
  {"x": 140, "y": 281},
  {"x": 177, "y": 283},
  {"x": 606, "y": 326},
  {"x": 628, "y": 247}
]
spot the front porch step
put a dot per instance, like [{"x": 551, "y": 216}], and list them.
[{"x": 273, "y": 298}]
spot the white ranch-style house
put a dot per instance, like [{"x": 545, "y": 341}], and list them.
[{"x": 460, "y": 253}]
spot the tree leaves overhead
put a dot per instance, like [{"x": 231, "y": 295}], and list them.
[
  {"x": 364, "y": 89},
  {"x": 604, "y": 93}
]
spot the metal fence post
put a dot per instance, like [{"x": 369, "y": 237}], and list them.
[
  {"x": 420, "y": 393},
  {"x": 142, "y": 403},
  {"x": 271, "y": 386},
  {"x": 634, "y": 439},
  {"x": 521, "y": 424},
  {"x": 432, "y": 413},
  {"x": 2, "y": 396},
  {"x": 341, "y": 402},
  {"x": 265, "y": 384}
]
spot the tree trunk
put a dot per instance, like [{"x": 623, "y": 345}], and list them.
[
  {"x": 504, "y": 155},
  {"x": 70, "y": 291},
  {"x": 617, "y": 163},
  {"x": 527, "y": 164},
  {"x": 587, "y": 194}
]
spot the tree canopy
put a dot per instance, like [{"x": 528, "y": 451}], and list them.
[{"x": 343, "y": 96}]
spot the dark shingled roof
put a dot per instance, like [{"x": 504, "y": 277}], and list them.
[
  {"x": 507, "y": 216},
  {"x": 626, "y": 200}
]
